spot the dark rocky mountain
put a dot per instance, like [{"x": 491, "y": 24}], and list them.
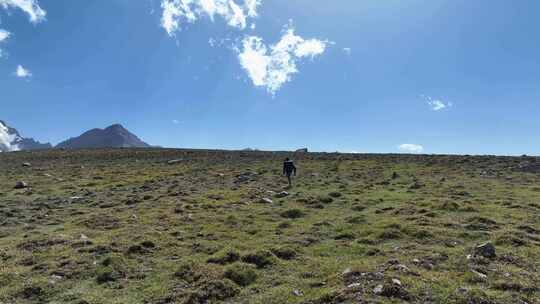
[
  {"x": 115, "y": 136},
  {"x": 11, "y": 140}
]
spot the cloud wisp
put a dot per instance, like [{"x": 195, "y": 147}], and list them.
[
  {"x": 411, "y": 148},
  {"x": 35, "y": 13},
  {"x": 176, "y": 13},
  {"x": 4, "y": 35},
  {"x": 436, "y": 104},
  {"x": 31, "y": 7},
  {"x": 21, "y": 72},
  {"x": 268, "y": 66},
  {"x": 273, "y": 66}
]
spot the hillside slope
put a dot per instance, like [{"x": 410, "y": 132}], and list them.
[{"x": 128, "y": 226}]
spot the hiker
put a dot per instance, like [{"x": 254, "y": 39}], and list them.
[{"x": 288, "y": 169}]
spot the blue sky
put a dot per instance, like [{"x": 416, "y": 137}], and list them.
[{"x": 434, "y": 76}]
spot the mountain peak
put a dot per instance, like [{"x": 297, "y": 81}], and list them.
[
  {"x": 11, "y": 140},
  {"x": 116, "y": 126},
  {"x": 114, "y": 136}
]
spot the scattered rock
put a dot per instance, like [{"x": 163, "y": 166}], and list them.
[
  {"x": 21, "y": 185},
  {"x": 26, "y": 164},
  {"x": 486, "y": 250},
  {"x": 416, "y": 185},
  {"x": 378, "y": 289},
  {"x": 282, "y": 194},
  {"x": 463, "y": 290},
  {"x": 174, "y": 161},
  {"x": 298, "y": 293},
  {"x": 480, "y": 275},
  {"x": 265, "y": 200},
  {"x": 393, "y": 289},
  {"x": 244, "y": 177}
]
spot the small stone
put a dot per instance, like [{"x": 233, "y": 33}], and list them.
[
  {"x": 56, "y": 277},
  {"x": 298, "y": 293},
  {"x": 354, "y": 285},
  {"x": 479, "y": 275},
  {"x": 21, "y": 185},
  {"x": 396, "y": 282},
  {"x": 175, "y": 161},
  {"x": 282, "y": 194},
  {"x": 416, "y": 185},
  {"x": 486, "y": 250},
  {"x": 26, "y": 165},
  {"x": 265, "y": 200},
  {"x": 378, "y": 289}
]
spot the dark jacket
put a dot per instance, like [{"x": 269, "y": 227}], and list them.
[{"x": 289, "y": 167}]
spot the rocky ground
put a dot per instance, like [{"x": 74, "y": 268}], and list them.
[{"x": 173, "y": 226}]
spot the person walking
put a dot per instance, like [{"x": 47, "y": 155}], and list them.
[{"x": 289, "y": 169}]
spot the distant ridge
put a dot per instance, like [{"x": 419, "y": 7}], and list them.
[
  {"x": 11, "y": 140},
  {"x": 115, "y": 136}
]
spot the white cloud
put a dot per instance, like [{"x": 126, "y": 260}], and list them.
[
  {"x": 21, "y": 72},
  {"x": 6, "y": 139},
  {"x": 436, "y": 104},
  {"x": 4, "y": 35},
  {"x": 347, "y": 51},
  {"x": 411, "y": 148},
  {"x": 272, "y": 66},
  {"x": 178, "y": 12},
  {"x": 175, "y": 121},
  {"x": 30, "y": 7},
  {"x": 251, "y": 7}
]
